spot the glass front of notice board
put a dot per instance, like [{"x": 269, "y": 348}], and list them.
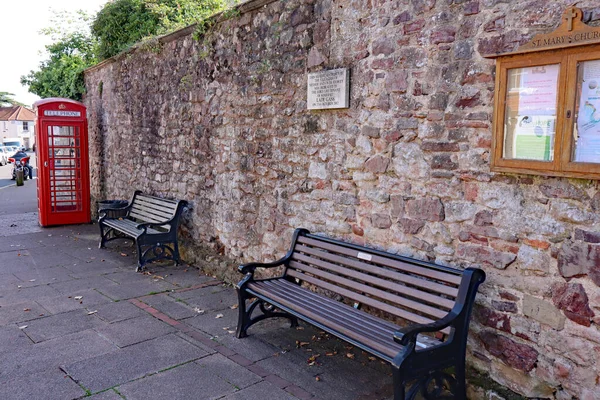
[
  {"x": 530, "y": 113},
  {"x": 586, "y": 129}
]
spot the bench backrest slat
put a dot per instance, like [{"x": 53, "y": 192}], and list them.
[
  {"x": 415, "y": 291},
  {"x": 402, "y": 290},
  {"x": 417, "y": 282},
  {"x": 150, "y": 216},
  {"x": 169, "y": 204},
  {"x": 370, "y": 290},
  {"x": 153, "y": 209},
  {"x": 374, "y": 258},
  {"x": 363, "y": 299},
  {"x": 164, "y": 213}
]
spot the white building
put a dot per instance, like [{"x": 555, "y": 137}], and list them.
[{"x": 17, "y": 121}]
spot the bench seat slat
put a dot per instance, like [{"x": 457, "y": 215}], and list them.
[
  {"x": 398, "y": 276},
  {"x": 382, "y": 283},
  {"x": 383, "y": 337},
  {"x": 350, "y": 332},
  {"x": 402, "y": 266},
  {"x": 128, "y": 227},
  {"x": 376, "y": 326},
  {"x": 359, "y": 287}
]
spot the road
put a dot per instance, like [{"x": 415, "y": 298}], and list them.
[{"x": 17, "y": 200}]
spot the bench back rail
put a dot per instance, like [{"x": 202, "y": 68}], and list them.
[
  {"x": 415, "y": 293},
  {"x": 152, "y": 209}
]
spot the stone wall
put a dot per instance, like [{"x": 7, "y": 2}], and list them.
[{"x": 221, "y": 120}]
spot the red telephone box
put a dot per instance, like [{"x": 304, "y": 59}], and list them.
[{"x": 62, "y": 160}]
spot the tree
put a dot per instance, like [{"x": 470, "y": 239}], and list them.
[
  {"x": 6, "y": 99},
  {"x": 122, "y": 23},
  {"x": 73, "y": 50}
]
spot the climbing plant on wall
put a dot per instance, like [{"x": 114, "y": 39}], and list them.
[{"x": 122, "y": 23}]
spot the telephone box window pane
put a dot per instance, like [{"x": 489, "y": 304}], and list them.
[
  {"x": 530, "y": 113},
  {"x": 586, "y": 129}
]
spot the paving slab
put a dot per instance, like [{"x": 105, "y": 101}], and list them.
[
  {"x": 21, "y": 312},
  {"x": 90, "y": 299},
  {"x": 49, "y": 384},
  {"x": 61, "y": 324},
  {"x": 204, "y": 291},
  {"x": 118, "y": 311},
  {"x": 36, "y": 277},
  {"x": 215, "y": 327},
  {"x": 168, "y": 305},
  {"x": 261, "y": 391},
  {"x": 16, "y": 260},
  {"x": 53, "y": 353},
  {"x": 249, "y": 347},
  {"x": 19, "y": 295},
  {"x": 135, "y": 289},
  {"x": 228, "y": 370},
  {"x": 12, "y": 338},
  {"x": 133, "y": 362},
  {"x": 91, "y": 282},
  {"x": 106, "y": 395},
  {"x": 186, "y": 382},
  {"x": 220, "y": 300},
  {"x": 184, "y": 276},
  {"x": 135, "y": 330}
]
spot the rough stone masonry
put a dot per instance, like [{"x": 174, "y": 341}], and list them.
[{"x": 220, "y": 119}]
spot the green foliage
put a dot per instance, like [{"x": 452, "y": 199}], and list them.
[
  {"x": 122, "y": 23},
  {"x": 72, "y": 51},
  {"x": 6, "y": 100}
]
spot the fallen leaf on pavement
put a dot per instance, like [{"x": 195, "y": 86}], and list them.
[
  {"x": 92, "y": 312},
  {"x": 350, "y": 355},
  {"x": 27, "y": 309},
  {"x": 312, "y": 360},
  {"x": 199, "y": 311},
  {"x": 233, "y": 307},
  {"x": 219, "y": 316},
  {"x": 317, "y": 378},
  {"x": 23, "y": 327},
  {"x": 78, "y": 297},
  {"x": 32, "y": 280},
  {"x": 124, "y": 254}
]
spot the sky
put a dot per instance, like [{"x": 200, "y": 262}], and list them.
[{"x": 21, "y": 44}]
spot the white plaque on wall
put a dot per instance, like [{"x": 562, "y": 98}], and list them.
[{"x": 329, "y": 89}]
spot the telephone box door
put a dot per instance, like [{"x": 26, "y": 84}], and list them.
[{"x": 63, "y": 177}]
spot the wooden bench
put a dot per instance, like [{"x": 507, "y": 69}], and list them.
[
  {"x": 426, "y": 297},
  {"x": 151, "y": 222}
]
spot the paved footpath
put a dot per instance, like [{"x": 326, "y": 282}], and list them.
[{"x": 77, "y": 321}]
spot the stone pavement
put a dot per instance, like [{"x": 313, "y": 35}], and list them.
[{"x": 77, "y": 321}]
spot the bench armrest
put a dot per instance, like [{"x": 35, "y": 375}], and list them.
[
  {"x": 251, "y": 267},
  {"x": 103, "y": 212},
  {"x": 409, "y": 334}
]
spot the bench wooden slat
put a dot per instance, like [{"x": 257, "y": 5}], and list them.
[
  {"x": 361, "y": 288},
  {"x": 381, "y": 335},
  {"x": 163, "y": 214},
  {"x": 142, "y": 215},
  {"x": 382, "y": 283},
  {"x": 398, "y": 276},
  {"x": 157, "y": 201},
  {"x": 377, "y": 327},
  {"x": 402, "y": 266},
  {"x": 361, "y": 298},
  {"x": 128, "y": 226},
  {"x": 350, "y": 332},
  {"x": 151, "y": 206}
]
